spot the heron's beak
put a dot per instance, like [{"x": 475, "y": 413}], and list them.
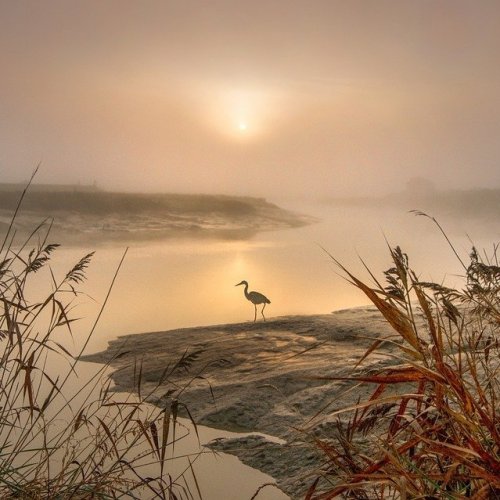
[{"x": 238, "y": 284}]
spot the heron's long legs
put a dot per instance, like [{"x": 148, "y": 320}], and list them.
[
  {"x": 262, "y": 312},
  {"x": 255, "y": 317}
]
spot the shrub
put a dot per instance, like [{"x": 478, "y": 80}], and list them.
[{"x": 431, "y": 428}]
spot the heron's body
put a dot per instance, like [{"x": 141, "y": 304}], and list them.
[{"x": 255, "y": 298}]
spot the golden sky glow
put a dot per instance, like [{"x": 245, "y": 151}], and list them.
[
  {"x": 265, "y": 97},
  {"x": 239, "y": 113}
]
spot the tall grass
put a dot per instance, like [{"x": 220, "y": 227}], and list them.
[
  {"x": 54, "y": 442},
  {"x": 431, "y": 428}
]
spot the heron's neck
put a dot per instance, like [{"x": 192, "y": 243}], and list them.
[{"x": 246, "y": 290}]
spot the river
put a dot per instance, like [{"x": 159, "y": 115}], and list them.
[{"x": 180, "y": 283}]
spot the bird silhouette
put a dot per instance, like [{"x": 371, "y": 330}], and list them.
[{"x": 255, "y": 298}]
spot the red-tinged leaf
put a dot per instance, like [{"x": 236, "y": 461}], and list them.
[
  {"x": 465, "y": 456},
  {"x": 369, "y": 471},
  {"x": 395, "y": 376},
  {"x": 393, "y": 315},
  {"x": 486, "y": 493},
  {"x": 468, "y": 402},
  {"x": 376, "y": 394},
  {"x": 311, "y": 489},
  {"x": 395, "y": 422}
]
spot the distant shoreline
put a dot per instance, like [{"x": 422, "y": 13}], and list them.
[
  {"x": 479, "y": 203},
  {"x": 98, "y": 216}
]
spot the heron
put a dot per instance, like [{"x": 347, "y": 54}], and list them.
[{"x": 255, "y": 298}]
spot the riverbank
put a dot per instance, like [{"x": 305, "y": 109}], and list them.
[
  {"x": 98, "y": 217},
  {"x": 264, "y": 377}
]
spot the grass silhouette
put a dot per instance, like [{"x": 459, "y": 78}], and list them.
[{"x": 55, "y": 443}]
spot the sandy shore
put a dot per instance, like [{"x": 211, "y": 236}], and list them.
[{"x": 262, "y": 377}]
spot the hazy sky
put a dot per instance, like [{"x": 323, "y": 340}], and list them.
[{"x": 261, "y": 97}]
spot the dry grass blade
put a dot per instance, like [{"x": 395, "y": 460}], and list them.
[
  {"x": 190, "y": 418},
  {"x": 145, "y": 433},
  {"x": 110, "y": 437},
  {"x": 393, "y": 315},
  {"x": 424, "y": 305},
  {"x": 395, "y": 376},
  {"x": 312, "y": 489},
  {"x": 443, "y": 232},
  {"x": 165, "y": 433},
  {"x": 154, "y": 435},
  {"x": 371, "y": 349},
  {"x": 198, "y": 489}
]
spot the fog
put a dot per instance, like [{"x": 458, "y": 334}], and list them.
[{"x": 278, "y": 98}]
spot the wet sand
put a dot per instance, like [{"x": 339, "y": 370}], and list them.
[{"x": 258, "y": 377}]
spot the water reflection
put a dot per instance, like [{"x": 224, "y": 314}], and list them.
[
  {"x": 217, "y": 475},
  {"x": 175, "y": 284}
]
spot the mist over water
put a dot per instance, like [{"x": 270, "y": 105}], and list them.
[{"x": 185, "y": 282}]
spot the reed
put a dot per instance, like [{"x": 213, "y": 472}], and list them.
[
  {"x": 55, "y": 443},
  {"x": 431, "y": 428}
]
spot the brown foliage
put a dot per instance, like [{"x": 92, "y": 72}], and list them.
[{"x": 440, "y": 435}]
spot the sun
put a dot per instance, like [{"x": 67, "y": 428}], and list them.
[{"x": 240, "y": 114}]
